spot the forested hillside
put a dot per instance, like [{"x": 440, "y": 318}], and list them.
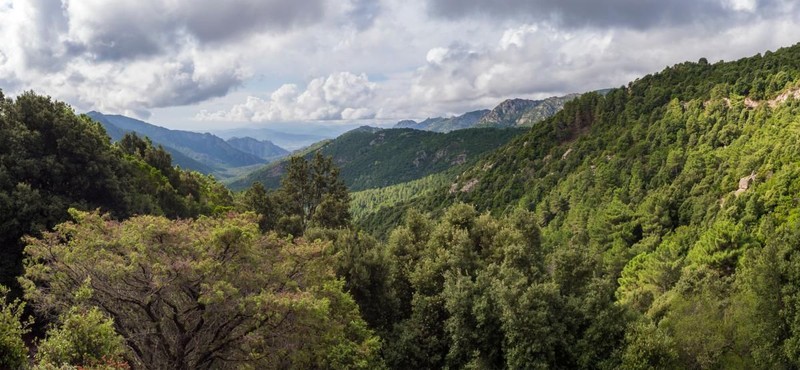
[
  {"x": 668, "y": 213},
  {"x": 204, "y": 152},
  {"x": 263, "y": 149},
  {"x": 130, "y": 262},
  {"x": 372, "y": 158},
  {"x": 52, "y": 159}
]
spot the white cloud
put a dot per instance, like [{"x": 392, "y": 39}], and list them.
[
  {"x": 340, "y": 96},
  {"x": 540, "y": 60},
  {"x": 741, "y": 5},
  {"x": 179, "y": 57}
]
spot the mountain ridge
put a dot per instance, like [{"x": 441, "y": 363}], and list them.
[
  {"x": 263, "y": 149},
  {"x": 371, "y": 157},
  {"x": 204, "y": 152}
]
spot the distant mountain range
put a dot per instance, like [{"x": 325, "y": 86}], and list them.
[
  {"x": 442, "y": 124},
  {"x": 290, "y": 138},
  {"x": 510, "y": 113},
  {"x": 263, "y": 149},
  {"x": 202, "y": 152},
  {"x": 371, "y": 157}
]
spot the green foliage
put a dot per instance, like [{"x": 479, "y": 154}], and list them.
[
  {"x": 669, "y": 203},
  {"x": 474, "y": 291},
  {"x": 13, "y": 352},
  {"x": 311, "y": 195},
  {"x": 52, "y": 159},
  {"x": 648, "y": 347},
  {"x": 83, "y": 337},
  {"x": 204, "y": 293}
]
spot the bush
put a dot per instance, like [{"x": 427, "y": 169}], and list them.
[
  {"x": 84, "y": 337},
  {"x": 13, "y": 353}
]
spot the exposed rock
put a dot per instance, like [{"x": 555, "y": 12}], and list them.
[
  {"x": 744, "y": 184},
  {"x": 566, "y": 154},
  {"x": 460, "y": 159},
  {"x": 453, "y": 187},
  {"x": 469, "y": 186},
  {"x": 523, "y": 112},
  {"x": 772, "y": 103},
  {"x": 750, "y": 103},
  {"x": 794, "y": 94},
  {"x": 421, "y": 156}
]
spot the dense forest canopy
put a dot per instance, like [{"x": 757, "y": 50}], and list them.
[
  {"x": 52, "y": 159},
  {"x": 680, "y": 193},
  {"x": 654, "y": 226}
]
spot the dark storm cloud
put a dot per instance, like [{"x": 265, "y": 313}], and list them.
[
  {"x": 153, "y": 28},
  {"x": 636, "y": 14},
  {"x": 214, "y": 20},
  {"x": 146, "y": 52},
  {"x": 364, "y": 13}
]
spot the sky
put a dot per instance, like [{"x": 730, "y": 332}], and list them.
[{"x": 215, "y": 65}]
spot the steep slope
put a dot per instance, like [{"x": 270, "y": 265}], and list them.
[
  {"x": 371, "y": 158},
  {"x": 442, "y": 124},
  {"x": 672, "y": 201},
  {"x": 210, "y": 150},
  {"x": 681, "y": 190},
  {"x": 263, "y": 149}
]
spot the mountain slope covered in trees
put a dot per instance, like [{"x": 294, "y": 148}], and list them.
[
  {"x": 370, "y": 157},
  {"x": 133, "y": 263},
  {"x": 202, "y": 152},
  {"x": 263, "y": 149},
  {"x": 668, "y": 220},
  {"x": 52, "y": 159}
]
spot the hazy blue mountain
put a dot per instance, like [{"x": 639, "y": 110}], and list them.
[
  {"x": 264, "y": 149},
  {"x": 445, "y": 124},
  {"x": 287, "y": 140},
  {"x": 211, "y": 152}
]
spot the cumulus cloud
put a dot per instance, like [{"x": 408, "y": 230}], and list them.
[
  {"x": 340, "y": 96},
  {"x": 540, "y": 60},
  {"x": 636, "y": 14},
  {"x": 526, "y": 59},
  {"x": 424, "y": 57},
  {"x": 134, "y": 55}
]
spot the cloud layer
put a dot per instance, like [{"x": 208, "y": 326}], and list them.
[
  {"x": 138, "y": 54},
  {"x": 340, "y": 96},
  {"x": 204, "y": 62},
  {"x": 637, "y": 14}
]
